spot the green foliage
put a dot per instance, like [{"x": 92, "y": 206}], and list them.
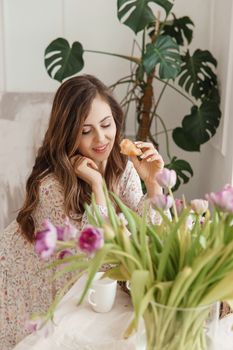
[
  {"x": 180, "y": 29},
  {"x": 175, "y": 264},
  {"x": 197, "y": 76},
  {"x": 63, "y": 59},
  {"x": 164, "y": 55},
  {"x": 139, "y": 14},
  {"x": 164, "y": 52},
  {"x": 198, "y": 127}
]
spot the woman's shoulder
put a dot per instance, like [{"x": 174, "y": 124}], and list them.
[{"x": 50, "y": 183}]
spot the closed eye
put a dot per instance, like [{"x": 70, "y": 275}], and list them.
[
  {"x": 85, "y": 132},
  {"x": 106, "y": 125}
]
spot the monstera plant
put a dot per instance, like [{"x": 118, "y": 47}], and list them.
[{"x": 163, "y": 57}]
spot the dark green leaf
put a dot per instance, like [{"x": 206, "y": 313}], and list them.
[
  {"x": 197, "y": 74},
  {"x": 179, "y": 29},
  {"x": 137, "y": 14},
  {"x": 203, "y": 121},
  {"x": 164, "y": 52},
  {"x": 183, "y": 170},
  {"x": 184, "y": 140},
  {"x": 63, "y": 61}
]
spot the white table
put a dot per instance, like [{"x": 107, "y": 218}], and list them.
[{"x": 80, "y": 328}]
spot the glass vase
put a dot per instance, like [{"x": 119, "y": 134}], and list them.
[{"x": 169, "y": 328}]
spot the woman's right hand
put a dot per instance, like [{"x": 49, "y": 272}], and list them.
[{"x": 86, "y": 169}]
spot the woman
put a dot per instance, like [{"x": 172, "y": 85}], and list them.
[{"x": 80, "y": 149}]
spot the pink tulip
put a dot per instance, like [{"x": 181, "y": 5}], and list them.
[
  {"x": 46, "y": 240},
  {"x": 90, "y": 240},
  {"x": 40, "y": 326},
  {"x": 67, "y": 232},
  {"x": 199, "y": 206},
  {"x": 64, "y": 254},
  {"x": 32, "y": 326},
  {"x": 179, "y": 205},
  {"x": 166, "y": 178},
  {"x": 222, "y": 199},
  {"x": 189, "y": 222},
  {"x": 160, "y": 201}
]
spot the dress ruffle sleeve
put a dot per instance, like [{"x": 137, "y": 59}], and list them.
[{"x": 132, "y": 195}]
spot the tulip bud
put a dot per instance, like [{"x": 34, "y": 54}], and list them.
[
  {"x": 222, "y": 199},
  {"x": 160, "y": 201},
  {"x": 199, "y": 206},
  {"x": 64, "y": 254},
  {"x": 179, "y": 205},
  {"x": 109, "y": 234},
  {"x": 46, "y": 240},
  {"x": 90, "y": 240},
  {"x": 166, "y": 178}
]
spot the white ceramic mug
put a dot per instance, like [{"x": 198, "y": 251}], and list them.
[{"x": 102, "y": 294}]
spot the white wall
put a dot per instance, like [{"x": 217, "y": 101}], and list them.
[
  {"x": 30, "y": 25},
  {"x": 2, "y": 49},
  {"x": 216, "y": 161}
]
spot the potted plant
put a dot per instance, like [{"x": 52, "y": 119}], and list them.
[{"x": 164, "y": 57}]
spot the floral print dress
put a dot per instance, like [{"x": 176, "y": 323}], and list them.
[{"x": 25, "y": 287}]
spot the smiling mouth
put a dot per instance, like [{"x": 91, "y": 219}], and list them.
[{"x": 101, "y": 149}]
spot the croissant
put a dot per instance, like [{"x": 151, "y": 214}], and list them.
[{"x": 129, "y": 148}]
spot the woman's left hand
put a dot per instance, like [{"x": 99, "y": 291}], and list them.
[{"x": 151, "y": 162}]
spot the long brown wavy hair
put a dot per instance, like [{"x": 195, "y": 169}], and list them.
[{"x": 70, "y": 108}]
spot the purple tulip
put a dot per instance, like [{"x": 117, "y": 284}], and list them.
[
  {"x": 32, "y": 326},
  {"x": 90, "y": 239},
  {"x": 67, "y": 232},
  {"x": 199, "y": 206},
  {"x": 46, "y": 240},
  {"x": 64, "y": 254},
  {"x": 40, "y": 326},
  {"x": 222, "y": 199},
  {"x": 179, "y": 205},
  {"x": 202, "y": 220},
  {"x": 160, "y": 201},
  {"x": 166, "y": 178}
]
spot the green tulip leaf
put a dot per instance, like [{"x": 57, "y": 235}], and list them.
[
  {"x": 165, "y": 53},
  {"x": 63, "y": 61},
  {"x": 137, "y": 14},
  {"x": 197, "y": 74},
  {"x": 179, "y": 29},
  {"x": 199, "y": 126},
  {"x": 183, "y": 170}
]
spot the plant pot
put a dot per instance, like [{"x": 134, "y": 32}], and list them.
[{"x": 169, "y": 328}]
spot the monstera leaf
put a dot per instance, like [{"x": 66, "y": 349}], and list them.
[
  {"x": 183, "y": 171},
  {"x": 184, "y": 140},
  {"x": 137, "y": 12},
  {"x": 164, "y": 52},
  {"x": 198, "y": 127},
  {"x": 179, "y": 29},
  {"x": 61, "y": 60},
  {"x": 197, "y": 76}
]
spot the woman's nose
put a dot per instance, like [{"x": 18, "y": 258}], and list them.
[{"x": 99, "y": 135}]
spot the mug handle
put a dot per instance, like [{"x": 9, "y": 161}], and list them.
[
  {"x": 128, "y": 285},
  {"x": 91, "y": 302}
]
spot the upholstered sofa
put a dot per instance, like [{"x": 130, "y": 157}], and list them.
[{"x": 23, "y": 121}]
